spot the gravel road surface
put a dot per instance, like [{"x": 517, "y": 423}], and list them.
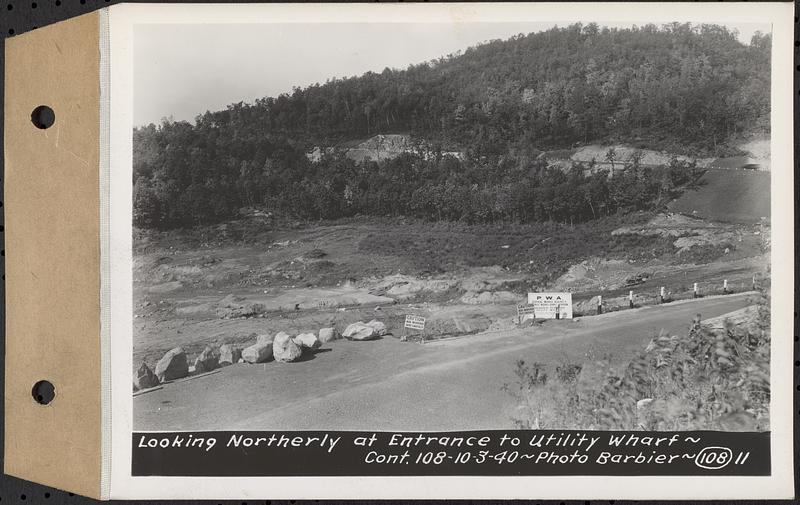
[{"x": 387, "y": 384}]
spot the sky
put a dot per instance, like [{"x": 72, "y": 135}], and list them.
[{"x": 181, "y": 71}]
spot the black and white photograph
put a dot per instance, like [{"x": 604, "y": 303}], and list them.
[{"x": 481, "y": 226}]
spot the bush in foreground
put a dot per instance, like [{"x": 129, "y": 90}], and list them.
[{"x": 707, "y": 379}]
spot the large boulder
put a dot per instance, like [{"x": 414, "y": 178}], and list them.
[
  {"x": 145, "y": 378},
  {"x": 359, "y": 331},
  {"x": 284, "y": 348},
  {"x": 307, "y": 341},
  {"x": 260, "y": 352},
  {"x": 328, "y": 335},
  {"x": 172, "y": 366},
  {"x": 207, "y": 361},
  {"x": 229, "y": 354},
  {"x": 379, "y": 327}
]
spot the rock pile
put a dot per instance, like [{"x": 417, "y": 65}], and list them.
[
  {"x": 328, "y": 335},
  {"x": 359, "y": 331},
  {"x": 379, "y": 327},
  {"x": 207, "y": 361},
  {"x": 307, "y": 341},
  {"x": 172, "y": 366},
  {"x": 282, "y": 348},
  {"x": 145, "y": 378},
  {"x": 260, "y": 352},
  {"x": 285, "y": 349},
  {"x": 229, "y": 354}
]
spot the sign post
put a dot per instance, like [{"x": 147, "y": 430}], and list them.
[
  {"x": 551, "y": 305},
  {"x": 415, "y": 323},
  {"x": 524, "y": 310}
]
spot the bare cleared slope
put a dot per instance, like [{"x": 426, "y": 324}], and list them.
[{"x": 733, "y": 196}]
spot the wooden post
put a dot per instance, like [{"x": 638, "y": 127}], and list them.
[
  {"x": 754, "y": 283},
  {"x": 630, "y": 298},
  {"x": 661, "y": 294},
  {"x": 599, "y": 304},
  {"x": 695, "y": 294},
  {"x": 725, "y": 286}
]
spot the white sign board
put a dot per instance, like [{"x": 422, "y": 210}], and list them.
[
  {"x": 523, "y": 310},
  {"x": 551, "y": 305},
  {"x": 415, "y": 322}
]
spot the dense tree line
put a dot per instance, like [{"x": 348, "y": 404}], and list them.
[
  {"x": 507, "y": 189},
  {"x": 499, "y": 102}
]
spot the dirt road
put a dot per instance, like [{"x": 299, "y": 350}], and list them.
[{"x": 391, "y": 385}]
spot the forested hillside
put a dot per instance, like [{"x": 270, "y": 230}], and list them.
[{"x": 685, "y": 88}]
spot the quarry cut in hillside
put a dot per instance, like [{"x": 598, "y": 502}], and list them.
[
  {"x": 380, "y": 147},
  {"x": 756, "y": 156}
]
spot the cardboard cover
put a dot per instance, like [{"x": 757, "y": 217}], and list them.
[{"x": 53, "y": 256}]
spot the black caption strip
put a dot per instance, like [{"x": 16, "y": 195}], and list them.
[{"x": 317, "y": 453}]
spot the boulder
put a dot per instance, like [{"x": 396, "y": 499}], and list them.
[
  {"x": 207, "y": 361},
  {"x": 359, "y": 331},
  {"x": 145, "y": 378},
  {"x": 307, "y": 341},
  {"x": 328, "y": 335},
  {"x": 260, "y": 352},
  {"x": 379, "y": 327},
  {"x": 229, "y": 354},
  {"x": 172, "y": 366},
  {"x": 284, "y": 348}
]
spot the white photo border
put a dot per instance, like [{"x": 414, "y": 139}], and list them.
[{"x": 122, "y": 19}]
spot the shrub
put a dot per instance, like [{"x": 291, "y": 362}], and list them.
[{"x": 707, "y": 379}]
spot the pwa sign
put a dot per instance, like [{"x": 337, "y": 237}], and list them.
[{"x": 551, "y": 305}]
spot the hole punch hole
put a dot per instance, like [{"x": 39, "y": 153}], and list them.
[
  {"x": 43, "y": 117},
  {"x": 43, "y": 392}
]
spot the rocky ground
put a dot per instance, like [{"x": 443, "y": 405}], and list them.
[
  {"x": 195, "y": 292},
  {"x": 388, "y": 384}
]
